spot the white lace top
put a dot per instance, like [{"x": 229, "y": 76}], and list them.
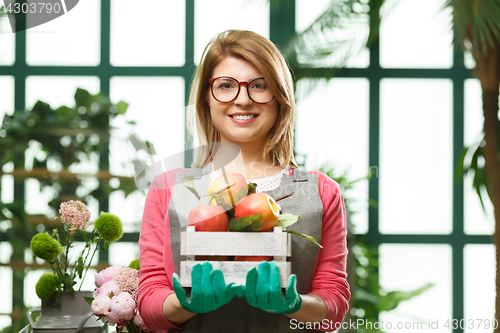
[{"x": 263, "y": 184}]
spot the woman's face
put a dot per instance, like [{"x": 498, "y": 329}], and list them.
[{"x": 227, "y": 117}]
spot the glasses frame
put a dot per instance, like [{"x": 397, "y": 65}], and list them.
[{"x": 240, "y": 84}]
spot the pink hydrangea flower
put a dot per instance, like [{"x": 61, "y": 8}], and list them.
[
  {"x": 128, "y": 280},
  {"x": 101, "y": 305},
  {"x": 107, "y": 288},
  {"x": 122, "y": 309},
  {"x": 74, "y": 214},
  {"x": 106, "y": 275},
  {"x": 139, "y": 322}
]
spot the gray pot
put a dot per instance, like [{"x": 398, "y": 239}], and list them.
[{"x": 74, "y": 315}]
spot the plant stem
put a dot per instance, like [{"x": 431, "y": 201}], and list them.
[
  {"x": 66, "y": 263},
  {"x": 90, "y": 261},
  {"x": 85, "y": 260},
  {"x": 219, "y": 191}
]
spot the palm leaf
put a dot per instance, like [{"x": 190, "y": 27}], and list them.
[
  {"x": 476, "y": 22},
  {"x": 333, "y": 38}
]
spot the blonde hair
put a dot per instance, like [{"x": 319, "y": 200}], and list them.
[{"x": 264, "y": 55}]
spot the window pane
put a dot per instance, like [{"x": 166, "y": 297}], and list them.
[
  {"x": 416, "y": 166},
  {"x": 416, "y": 33},
  {"x": 129, "y": 209},
  {"x": 7, "y": 100},
  {"x": 6, "y": 276},
  {"x": 409, "y": 267},
  {"x": 479, "y": 280},
  {"x": 30, "y": 297},
  {"x": 7, "y": 40},
  {"x": 71, "y": 39},
  {"x": 6, "y": 283},
  {"x": 332, "y": 126},
  {"x": 151, "y": 34},
  {"x": 353, "y": 53},
  {"x": 157, "y": 108},
  {"x": 213, "y": 17},
  {"x": 122, "y": 254},
  {"x": 476, "y": 220},
  {"x": 305, "y": 14},
  {"x": 58, "y": 90}
]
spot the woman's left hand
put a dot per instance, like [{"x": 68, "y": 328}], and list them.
[{"x": 263, "y": 290}]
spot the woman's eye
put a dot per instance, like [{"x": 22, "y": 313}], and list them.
[
  {"x": 225, "y": 86},
  {"x": 260, "y": 86}
]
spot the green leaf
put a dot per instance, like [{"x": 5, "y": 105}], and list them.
[
  {"x": 392, "y": 299},
  {"x": 82, "y": 97},
  {"x": 79, "y": 267},
  {"x": 361, "y": 294},
  {"x": 247, "y": 223},
  {"x": 286, "y": 220},
  {"x": 122, "y": 107},
  {"x": 88, "y": 299},
  {"x": 309, "y": 238},
  {"x": 188, "y": 181},
  {"x": 230, "y": 213},
  {"x": 106, "y": 246},
  {"x": 251, "y": 188}
]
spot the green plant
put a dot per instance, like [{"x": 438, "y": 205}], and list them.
[
  {"x": 368, "y": 299},
  {"x": 75, "y": 217},
  {"x": 477, "y": 30},
  {"x": 47, "y": 287}
]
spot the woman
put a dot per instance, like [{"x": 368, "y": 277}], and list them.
[{"x": 243, "y": 95}]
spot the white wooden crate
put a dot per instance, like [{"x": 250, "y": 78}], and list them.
[{"x": 277, "y": 244}]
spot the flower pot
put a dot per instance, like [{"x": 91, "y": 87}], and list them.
[{"x": 74, "y": 315}]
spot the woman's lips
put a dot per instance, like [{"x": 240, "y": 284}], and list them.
[{"x": 243, "y": 121}]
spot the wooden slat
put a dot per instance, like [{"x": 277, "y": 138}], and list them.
[
  {"x": 65, "y": 175},
  {"x": 21, "y": 265},
  {"x": 40, "y": 219},
  {"x": 235, "y": 243},
  {"x": 234, "y": 271},
  {"x": 14, "y": 315}
]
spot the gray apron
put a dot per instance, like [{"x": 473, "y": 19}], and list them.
[{"x": 238, "y": 315}]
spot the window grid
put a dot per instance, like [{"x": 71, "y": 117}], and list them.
[{"x": 282, "y": 25}]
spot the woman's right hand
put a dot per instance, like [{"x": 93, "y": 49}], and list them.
[{"x": 208, "y": 290}]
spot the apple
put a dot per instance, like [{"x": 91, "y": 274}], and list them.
[
  {"x": 257, "y": 203},
  {"x": 208, "y": 218},
  {"x": 238, "y": 191},
  {"x": 253, "y": 258}
]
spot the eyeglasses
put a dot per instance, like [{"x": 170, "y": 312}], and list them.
[{"x": 226, "y": 89}]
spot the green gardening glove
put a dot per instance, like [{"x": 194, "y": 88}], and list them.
[
  {"x": 263, "y": 290},
  {"x": 208, "y": 289}
]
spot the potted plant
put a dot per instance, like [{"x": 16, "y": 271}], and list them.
[{"x": 63, "y": 305}]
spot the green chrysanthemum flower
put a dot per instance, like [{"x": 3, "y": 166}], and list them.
[
  {"x": 46, "y": 247},
  {"x": 47, "y": 286},
  {"x": 135, "y": 264},
  {"x": 109, "y": 227}
]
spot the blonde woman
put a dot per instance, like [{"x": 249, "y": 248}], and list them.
[{"x": 243, "y": 95}]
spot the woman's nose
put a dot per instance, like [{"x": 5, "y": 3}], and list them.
[{"x": 243, "y": 98}]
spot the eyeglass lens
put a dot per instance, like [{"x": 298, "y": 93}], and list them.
[{"x": 226, "y": 90}]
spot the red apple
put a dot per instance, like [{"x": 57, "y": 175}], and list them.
[
  {"x": 257, "y": 203},
  {"x": 234, "y": 191},
  {"x": 208, "y": 218},
  {"x": 253, "y": 258}
]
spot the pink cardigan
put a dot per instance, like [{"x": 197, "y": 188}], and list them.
[{"x": 157, "y": 267}]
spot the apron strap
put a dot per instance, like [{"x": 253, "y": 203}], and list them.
[{"x": 299, "y": 175}]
